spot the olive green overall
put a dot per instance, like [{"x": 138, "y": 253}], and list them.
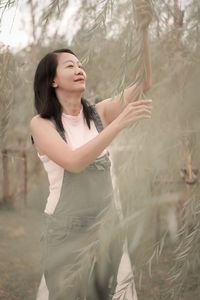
[{"x": 82, "y": 246}]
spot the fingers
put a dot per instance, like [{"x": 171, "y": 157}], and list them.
[
  {"x": 139, "y": 102},
  {"x": 139, "y": 111},
  {"x": 138, "y": 118},
  {"x": 137, "y": 114},
  {"x": 142, "y": 107},
  {"x": 143, "y": 112},
  {"x": 135, "y": 111}
]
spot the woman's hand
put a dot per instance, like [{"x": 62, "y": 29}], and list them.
[
  {"x": 134, "y": 112},
  {"x": 144, "y": 13}
]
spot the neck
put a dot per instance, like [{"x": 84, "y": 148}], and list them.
[{"x": 71, "y": 103}]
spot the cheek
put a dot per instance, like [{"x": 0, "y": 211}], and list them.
[{"x": 63, "y": 76}]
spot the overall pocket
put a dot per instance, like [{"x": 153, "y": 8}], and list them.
[{"x": 56, "y": 231}]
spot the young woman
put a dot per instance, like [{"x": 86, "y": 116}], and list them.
[{"x": 82, "y": 247}]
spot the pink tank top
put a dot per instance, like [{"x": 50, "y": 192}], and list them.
[{"x": 77, "y": 134}]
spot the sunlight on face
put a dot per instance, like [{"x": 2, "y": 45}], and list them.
[{"x": 70, "y": 75}]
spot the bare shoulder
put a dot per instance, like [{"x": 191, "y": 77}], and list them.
[
  {"x": 47, "y": 140},
  {"x": 38, "y": 121}
]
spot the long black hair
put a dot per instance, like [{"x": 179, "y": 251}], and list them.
[{"x": 46, "y": 101}]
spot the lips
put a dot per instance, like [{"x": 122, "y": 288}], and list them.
[{"x": 80, "y": 79}]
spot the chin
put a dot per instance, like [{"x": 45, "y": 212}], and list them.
[{"x": 81, "y": 89}]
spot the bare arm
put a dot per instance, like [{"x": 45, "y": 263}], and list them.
[
  {"x": 49, "y": 142},
  {"x": 147, "y": 63}
]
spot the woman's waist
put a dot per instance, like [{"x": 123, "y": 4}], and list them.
[{"x": 69, "y": 222}]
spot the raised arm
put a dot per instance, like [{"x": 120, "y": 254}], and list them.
[
  {"x": 147, "y": 62},
  {"x": 49, "y": 142},
  {"x": 111, "y": 108}
]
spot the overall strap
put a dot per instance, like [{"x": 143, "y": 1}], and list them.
[
  {"x": 97, "y": 119},
  {"x": 62, "y": 134}
]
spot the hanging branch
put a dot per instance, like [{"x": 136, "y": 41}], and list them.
[
  {"x": 4, "y": 5},
  {"x": 7, "y": 4},
  {"x": 143, "y": 14},
  {"x": 33, "y": 20},
  {"x": 7, "y": 92},
  {"x": 55, "y": 9},
  {"x": 52, "y": 8},
  {"x": 89, "y": 36},
  {"x": 136, "y": 51},
  {"x": 187, "y": 256}
]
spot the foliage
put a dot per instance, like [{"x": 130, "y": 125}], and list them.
[{"x": 110, "y": 45}]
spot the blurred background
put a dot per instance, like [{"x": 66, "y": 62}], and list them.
[{"x": 155, "y": 165}]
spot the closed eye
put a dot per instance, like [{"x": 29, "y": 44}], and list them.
[{"x": 69, "y": 66}]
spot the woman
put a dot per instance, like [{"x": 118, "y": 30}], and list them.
[{"x": 82, "y": 248}]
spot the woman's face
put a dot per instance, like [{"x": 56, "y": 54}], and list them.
[{"x": 70, "y": 75}]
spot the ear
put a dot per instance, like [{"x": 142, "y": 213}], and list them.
[{"x": 54, "y": 84}]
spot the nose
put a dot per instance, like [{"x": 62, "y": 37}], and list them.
[{"x": 78, "y": 71}]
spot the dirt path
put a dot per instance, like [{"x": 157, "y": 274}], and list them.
[{"x": 20, "y": 263}]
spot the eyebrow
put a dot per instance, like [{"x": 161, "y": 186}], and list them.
[{"x": 69, "y": 60}]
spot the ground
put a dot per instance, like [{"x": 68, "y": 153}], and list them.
[{"x": 21, "y": 265}]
